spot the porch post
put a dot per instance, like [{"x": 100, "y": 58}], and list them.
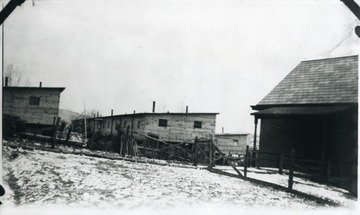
[
  {"x": 324, "y": 157},
  {"x": 254, "y": 146},
  {"x": 255, "y": 133},
  {"x": 112, "y": 122}
]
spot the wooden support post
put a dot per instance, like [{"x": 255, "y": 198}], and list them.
[
  {"x": 94, "y": 124},
  {"x": 120, "y": 136},
  {"x": 68, "y": 135},
  {"x": 55, "y": 131},
  {"x": 253, "y": 163},
  {"x": 62, "y": 127},
  {"x": 246, "y": 160},
  {"x": 328, "y": 172},
  {"x": 121, "y": 146},
  {"x": 159, "y": 150},
  {"x": 126, "y": 139},
  {"x": 281, "y": 163},
  {"x": 112, "y": 122},
  {"x": 36, "y": 131},
  {"x": 291, "y": 169},
  {"x": 195, "y": 151},
  {"x": 132, "y": 124},
  {"x": 210, "y": 154}
]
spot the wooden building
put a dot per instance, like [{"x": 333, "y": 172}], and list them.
[
  {"x": 314, "y": 110},
  {"x": 31, "y": 105},
  {"x": 232, "y": 143},
  {"x": 168, "y": 127}
]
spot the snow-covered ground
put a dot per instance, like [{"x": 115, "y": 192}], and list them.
[{"x": 46, "y": 180}]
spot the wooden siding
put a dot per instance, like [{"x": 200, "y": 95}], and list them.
[
  {"x": 104, "y": 124},
  {"x": 16, "y": 103},
  {"x": 227, "y": 144},
  {"x": 180, "y": 127}
]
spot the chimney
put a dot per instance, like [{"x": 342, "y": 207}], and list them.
[
  {"x": 40, "y": 84},
  {"x": 6, "y": 81},
  {"x": 187, "y": 109},
  {"x": 153, "y": 107},
  {"x": 222, "y": 128}
]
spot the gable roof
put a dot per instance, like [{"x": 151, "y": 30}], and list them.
[
  {"x": 160, "y": 114},
  {"x": 60, "y": 89},
  {"x": 324, "y": 81}
]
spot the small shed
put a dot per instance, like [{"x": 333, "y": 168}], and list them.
[
  {"x": 232, "y": 143},
  {"x": 314, "y": 110},
  {"x": 31, "y": 105}
]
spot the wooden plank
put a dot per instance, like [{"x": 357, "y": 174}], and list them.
[
  {"x": 55, "y": 131},
  {"x": 68, "y": 135},
  {"x": 210, "y": 155},
  {"x": 195, "y": 151},
  {"x": 246, "y": 160},
  {"x": 230, "y": 162},
  {"x": 281, "y": 163},
  {"x": 291, "y": 169}
]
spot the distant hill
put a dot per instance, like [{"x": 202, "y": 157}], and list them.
[{"x": 68, "y": 115}]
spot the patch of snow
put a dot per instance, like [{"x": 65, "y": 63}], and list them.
[{"x": 55, "y": 180}]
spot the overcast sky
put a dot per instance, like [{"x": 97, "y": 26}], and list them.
[{"x": 214, "y": 56}]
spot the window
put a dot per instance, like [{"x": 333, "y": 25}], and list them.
[
  {"x": 197, "y": 124},
  {"x": 235, "y": 142},
  {"x": 163, "y": 122},
  {"x": 138, "y": 124},
  {"x": 124, "y": 124},
  {"x": 34, "y": 100}
]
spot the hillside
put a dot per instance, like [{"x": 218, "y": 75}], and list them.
[{"x": 67, "y": 115}]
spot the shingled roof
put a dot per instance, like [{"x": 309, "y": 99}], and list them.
[{"x": 324, "y": 81}]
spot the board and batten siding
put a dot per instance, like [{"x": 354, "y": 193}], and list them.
[
  {"x": 180, "y": 127},
  {"x": 17, "y": 103},
  {"x": 125, "y": 120},
  {"x": 232, "y": 143}
]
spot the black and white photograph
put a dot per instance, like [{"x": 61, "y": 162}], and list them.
[{"x": 179, "y": 106}]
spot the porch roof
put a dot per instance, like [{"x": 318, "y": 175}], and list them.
[{"x": 308, "y": 110}]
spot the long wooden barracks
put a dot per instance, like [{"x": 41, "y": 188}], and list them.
[{"x": 168, "y": 127}]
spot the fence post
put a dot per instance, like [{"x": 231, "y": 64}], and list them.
[
  {"x": 195, "y": 151},
  {"x": 281, "y": 163},
  {"x": 36, "y": 130},
  {"x": 68, "y": 135},
  {"x": 55, "y": 131},
  {"x": 62, "y": 127},
  {"x": 246, "y": 160},
  {"x": 291, "y": 169},
  {"x": 159, "y": 150},
  {"x": 257, "y": 160},
  {"x": 328, "y": 172},
  {"x": 210, "y": 154}
]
